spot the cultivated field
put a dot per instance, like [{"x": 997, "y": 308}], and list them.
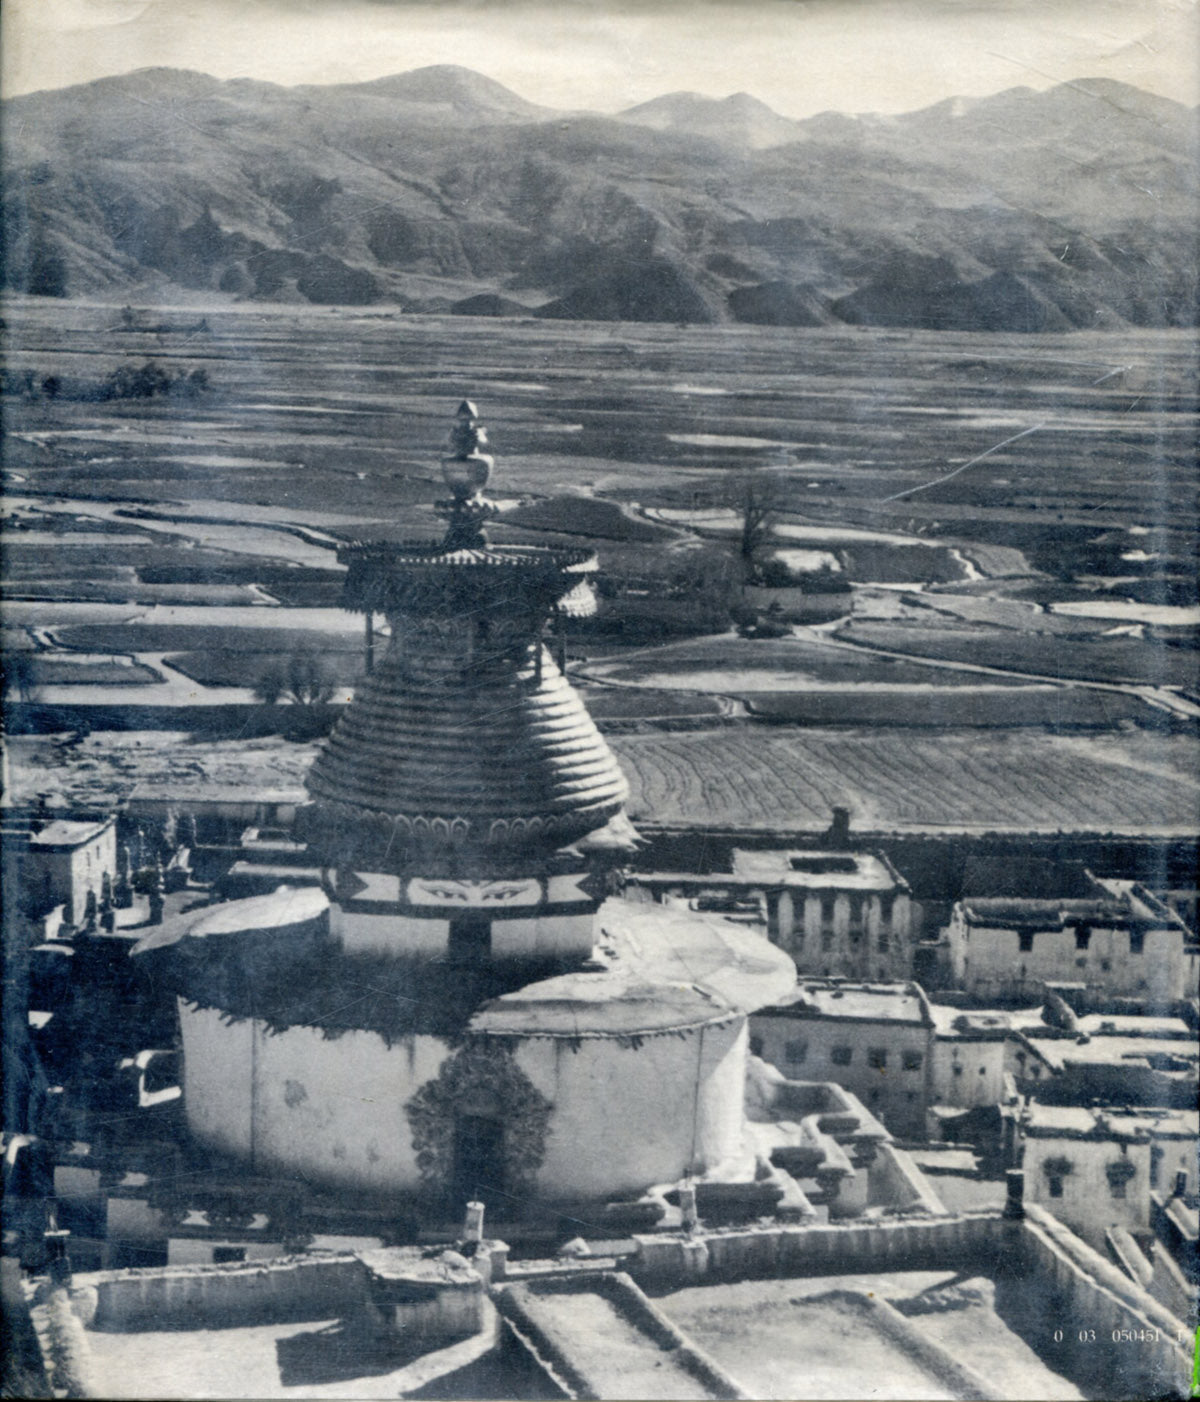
[
  {"x": 906, "y": 781},
  {"x": 733, "y": 776},
  {"x": 170, "y": 550}
]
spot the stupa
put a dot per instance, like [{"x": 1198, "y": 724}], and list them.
[{"x": 458, "y": 1013}]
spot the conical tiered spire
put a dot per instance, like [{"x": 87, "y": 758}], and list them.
[{"x": 466, "y": 738}]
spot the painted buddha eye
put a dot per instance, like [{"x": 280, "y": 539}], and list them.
[
  {"x": 446, "y": 893},
  {"x": 505, "y": 893}
]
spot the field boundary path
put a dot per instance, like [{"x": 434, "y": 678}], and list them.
[{"x": 1161, "y": 697}]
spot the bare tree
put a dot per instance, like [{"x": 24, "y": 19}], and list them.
[
  {"x": 271, "y": 684},
  {"x": 759, "y": 497},
  {"x": 308, "y": 680}
]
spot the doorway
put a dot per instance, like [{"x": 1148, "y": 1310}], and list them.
[
  {"x": 470, "y": 940},
  {"x": 478, "y": 1171}
]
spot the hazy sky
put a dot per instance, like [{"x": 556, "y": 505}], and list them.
[{"x": 800, "y": 56}]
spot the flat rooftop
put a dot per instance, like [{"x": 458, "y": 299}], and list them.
[
  {"x": 69, "y": 832},
  {"x": 971, "y": 1022},
  {"x": 826, "y": 1337},
  {"x": 819, "y": 871},
  {"x": 1076, "y": 1121},
  {"x": 868, "y": 1002}
]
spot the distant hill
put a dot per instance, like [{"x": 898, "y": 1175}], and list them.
[
  {"x": 740, "y": 120},
  {"x": 440, "y": 189}
]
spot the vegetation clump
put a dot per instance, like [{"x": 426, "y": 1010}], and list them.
[
  {"x": 151, "y": 381},
  {"x": 146, "y": 381}
]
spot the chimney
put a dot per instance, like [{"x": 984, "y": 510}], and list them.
[
  {"x": 473, "y": 1225},
  {"x": 1014, "y": 1207},
  {"x": 838, "y": 835}
]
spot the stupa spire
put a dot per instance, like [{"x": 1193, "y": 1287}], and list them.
[
  {"x": 466, "y": 739},
  {"x": 466, "y": 471}
]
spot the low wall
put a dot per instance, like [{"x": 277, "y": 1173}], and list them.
[
  {"x": 67, "y": 1356},
  {"x": 1117, "y": 1341},
  {"x": 235, "y": 719},
  {"x": 519, "y": 1306},
  {"x": 871, "y": 1247},
  {"x": 898, "y": 1183},
  {"x": 956, "y": 1377},
  {"x": 200, "y": 1297}
]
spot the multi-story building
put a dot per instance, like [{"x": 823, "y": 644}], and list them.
[
  {"x": 837, "y": 913},
  {"x": 873, "y": 1039},
  {"x": 1096, "y": 1169},
  {"x": 60, "y": 860},
  {"x": 1119, "y": 940}
]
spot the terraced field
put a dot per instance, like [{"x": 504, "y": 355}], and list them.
[
  {"x": 1001, "y": 780},
  {"x": 1109, "y": 659}
]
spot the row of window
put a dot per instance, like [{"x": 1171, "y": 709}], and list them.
[
  {"x": 829, "y": 940},
  {"x": 1116, "y": 1188},
  {"x": 796, "y": 1054},
  {"x": 1083, "y": 938}
]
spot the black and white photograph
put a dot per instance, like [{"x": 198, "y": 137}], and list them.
[{"x": 601, "y": 699}]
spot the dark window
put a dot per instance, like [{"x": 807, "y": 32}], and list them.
[
  {"x": 876, "y": 1058},
  {"x": 1156, "y": 1158},
  {"x": 795, "y": 1052},
  {"x": 1083, "y": 936},
  {"x": 912, "y": 1060},
  {"x": 228, "y": 1255},
  {"x": 841, "y": 1056},
  {"x": 957, "y": 1069},
  {"x": 1025, "y": 941},
  {"x": 1056, "y": 1187},
  {"x": 470, "y": 939},
  {"x": 855, "y": 927},
  {"x": 1137, "y": 940}
]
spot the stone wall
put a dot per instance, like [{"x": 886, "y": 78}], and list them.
[
  {"x": 871, "y": 1247},
  {"x": 209, "y": 1297},
  {"x": 897, "y": 1183},
  {"x": 1116, "y": 1340},
  {"x": 552, "y": 1346}
]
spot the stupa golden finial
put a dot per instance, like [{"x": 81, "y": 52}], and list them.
[{"x": 466, "y": 471}]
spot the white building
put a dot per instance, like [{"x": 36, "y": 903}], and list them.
[
  {"x": 65, "y": 860},
  {"x": 836, "y": 913},
  {"x": 1095, "y": 1169},
  {"x": 1119, "y": 941}
]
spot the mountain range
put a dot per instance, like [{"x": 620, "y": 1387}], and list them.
[{"x": 441, "y": 190}]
